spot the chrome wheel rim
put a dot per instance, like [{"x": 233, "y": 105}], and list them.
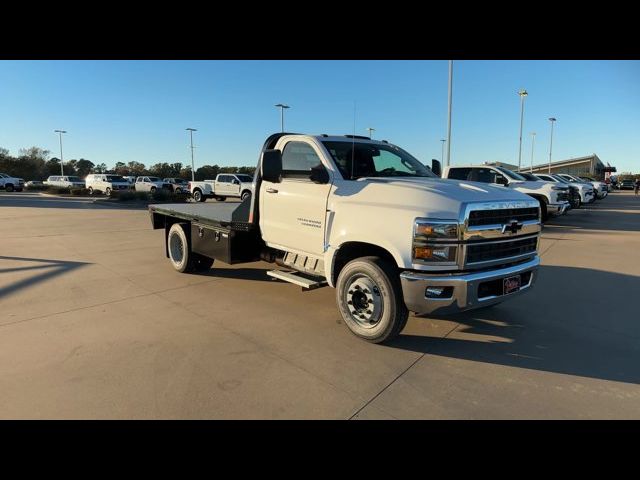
[
  {"x": 176, "y": 248},
  {"x": 363, "y": 301}
]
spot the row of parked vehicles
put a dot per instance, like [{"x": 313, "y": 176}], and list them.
[
  {"x": 365, "y": 217},
  {"x": 224, "y": 186}
]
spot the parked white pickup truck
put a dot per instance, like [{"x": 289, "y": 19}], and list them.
[
  {"x": 9, "y": 183},
  {"x": 553, "y": 198},
  {"x": 368, "y": 219},
  {"x": 225, "y": 185}
]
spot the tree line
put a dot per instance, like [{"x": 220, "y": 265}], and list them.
[{"x": 34, "y": 164}]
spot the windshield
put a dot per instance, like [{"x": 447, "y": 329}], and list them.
[
  {"x": 560, "y": 179},
  {"x": 115, "y": 178},
  {"x": 530, "y": 176},
  {"x": 510, "y": 174},
  {"x": 374, "y": 161},
  {"x": 245, "y": 178}
]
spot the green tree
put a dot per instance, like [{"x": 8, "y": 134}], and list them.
[
  {"x": 136, "y": 168},
  {"x": 100, "y": 168},
  {"x": 83, "y": 167},
  {"x": 207, "y": 172}
]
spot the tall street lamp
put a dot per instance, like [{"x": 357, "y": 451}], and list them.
[
  {"x": 552, "y": 120},
  {"x": 282, "y": 106},
  {"x": 370, "y": 130},
  {"x": 523, "y": 93},
  {"x": 533, "y": 141},
  {"x": 193, "y": 175},
  {"x": 61, "y": 167},
  {"x": 443, "y": 140},
  {"x": 449, "y": 114}
]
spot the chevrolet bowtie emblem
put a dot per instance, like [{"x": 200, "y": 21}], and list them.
[{"x": 512, "y": 227}]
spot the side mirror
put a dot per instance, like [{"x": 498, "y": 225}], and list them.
[
  {"x": 319, "y": 174},
  {"x": 501, "y": 180},
  {"x": 436, "y": 167},
  {"x": 272, "y": 166}
]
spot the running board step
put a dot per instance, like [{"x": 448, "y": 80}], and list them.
[{"x": 305, "y": 281}]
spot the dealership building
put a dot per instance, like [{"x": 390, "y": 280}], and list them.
[{"x": 590, "y": 166}]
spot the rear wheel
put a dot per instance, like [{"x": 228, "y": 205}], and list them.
[
  {"x": 245, "y": 194},
  {"x": 179, "y": 248},
  {"x": 90, "y": 190},
  {"x": 9, "y": 188},
  {"x": 369, "y": 297},
  {"x": 197, "y": 196},
  {"x": 107, "y": 192}
]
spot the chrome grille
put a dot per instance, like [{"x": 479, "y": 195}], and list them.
[
  {"x": 490, "y": 251},
  {"x": 563, "y": 196},
  {"x": 502, "y": 216}
]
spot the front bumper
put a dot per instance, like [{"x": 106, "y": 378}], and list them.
[
  {"x": 464, "y": 287},
  {"x": 558, "y": 208}
]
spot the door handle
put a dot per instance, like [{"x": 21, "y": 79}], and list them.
[{"x": 272, "y": 190}]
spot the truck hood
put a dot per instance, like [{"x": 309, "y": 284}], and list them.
[{"x": 434, "y": 197}]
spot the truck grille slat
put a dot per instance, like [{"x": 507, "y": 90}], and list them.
[
  {"x": 502, "y": 216},
  {"x": 483, "y": 252}
]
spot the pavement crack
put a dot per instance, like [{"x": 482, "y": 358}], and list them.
[{"x": 398, "y": 376}]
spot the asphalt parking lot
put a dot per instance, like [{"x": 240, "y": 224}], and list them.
[{"x": 94, "y": 323}]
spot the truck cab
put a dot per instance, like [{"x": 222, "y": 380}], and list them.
[{"x": 368, "y": 219}]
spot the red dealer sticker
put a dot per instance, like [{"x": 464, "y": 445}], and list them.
[{"x": 511, "y": 284}]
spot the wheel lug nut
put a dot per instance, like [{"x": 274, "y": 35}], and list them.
[
  {"x": 369, "y": 311},
  {"x": 350, "y": 302}
]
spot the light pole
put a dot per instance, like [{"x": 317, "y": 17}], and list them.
[
  {"x": 370, "y": 130},
  {"x": 449, "y": 114},
  {"x": 193, "y": 175},
  {"x": 523, "y": 93},
  {"x": 443, "y": 140},
  {"x": 61, "y": 167},
  {"x": 533, "y": 141},
  {"x": 552, "y": 120},
  {"x": 282, "y": 107}
]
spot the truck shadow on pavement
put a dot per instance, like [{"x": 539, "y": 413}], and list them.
[
  {"x": 45, "y": 270},
  {"x": 576, "y": 321},
  {"x": 619, "y": 213}
]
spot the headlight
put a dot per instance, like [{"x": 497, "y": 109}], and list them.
[
  {"x": 429, "y": 230},
  {"x": 553, "y": 187},
  {"x": 434, "y": 241}
]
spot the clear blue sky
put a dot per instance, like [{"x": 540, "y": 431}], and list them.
[{"x": 138, "y": 110}]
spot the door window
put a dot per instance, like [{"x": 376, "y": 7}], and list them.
[{"x": 298, "y": 158}]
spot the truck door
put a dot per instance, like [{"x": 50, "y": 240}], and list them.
[
  {"x": 293, "y": 212},
  {"x": 221, "y": 185}
]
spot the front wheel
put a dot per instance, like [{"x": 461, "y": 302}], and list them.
[
  {"x": 369, "y": 297},
  {"x": 245, "y": 195},
  {"x": 107, "y": 192},
  {"x": 90, "y": 190},
  {"x": 543, "y": 211},
  {"x": 9, "y": 188}
]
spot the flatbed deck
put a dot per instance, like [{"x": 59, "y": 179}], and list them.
[{"x": 234, "y": 216}]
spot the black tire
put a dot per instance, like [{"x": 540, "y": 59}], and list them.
[
  {"x": 179, "y": 248},
  {"x": 107, "y": 192},
  {"x": 544, "y": 215},
  {"x": 90, "y": 189},
  {"x": 153, "y": 190},
  {"x": 369, "y": 297},
  {"x": 9, "y": 188},
  {"x": 197, "y": 195},
  {"x": 245, "y": 194},
  {"x": 221, "y": 199}
]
